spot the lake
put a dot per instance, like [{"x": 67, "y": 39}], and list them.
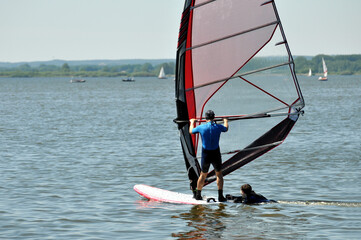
[{"x": 71, "y": 153}]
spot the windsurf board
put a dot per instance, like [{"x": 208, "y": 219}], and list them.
[{"x": 162, "y": 195}]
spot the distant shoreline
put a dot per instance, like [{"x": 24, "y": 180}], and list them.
[
  {"x": 152, "y": 76},
  {"x": 90, "y": 68},
  {"x": 337, "y": 65}
]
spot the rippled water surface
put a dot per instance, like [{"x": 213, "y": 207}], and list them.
[{"x": 70, "y": 155}]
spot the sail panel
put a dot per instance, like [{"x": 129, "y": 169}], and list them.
[
  {"x": 217, "y": 19},
  {"x": 224, "y": 59},
  {"x": 226, "y": 46}
]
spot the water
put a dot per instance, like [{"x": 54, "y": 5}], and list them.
[{"x": 70, "y": 155}]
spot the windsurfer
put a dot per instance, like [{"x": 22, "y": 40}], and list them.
[
  {"x": 210, "y": 134},
  {"x": 248, "y": 196}
]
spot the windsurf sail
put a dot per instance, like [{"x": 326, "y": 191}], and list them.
[{"x": 233, "y": 58}]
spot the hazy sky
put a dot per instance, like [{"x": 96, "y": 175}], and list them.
[{"x": 33, "y": 30}]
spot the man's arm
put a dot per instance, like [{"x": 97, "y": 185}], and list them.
[
  {"x": 191, "y": 125},
  {"x": 225, "y": 123}
]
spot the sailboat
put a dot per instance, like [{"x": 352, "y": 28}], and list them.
[
  {"x": 77, "y": 80},
  {"x": 324, "y": 78},
  {"x": 215, "y": 70},
  {"x": 128, "y": 79},
  {"x": 162, "y": 74},
  {"x": 309, "y": 73}
]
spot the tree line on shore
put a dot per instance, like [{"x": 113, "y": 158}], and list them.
[
  {"x": 337, "y": 65},
  {"x": 129, "y": 70}
]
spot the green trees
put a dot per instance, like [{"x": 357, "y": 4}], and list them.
[
  {"x": 339, "y": 64},
  {"x": 65, "y": 68},
  {"x": 140, "y": 70}
]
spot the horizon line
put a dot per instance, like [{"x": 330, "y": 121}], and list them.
[{"x": 152, "y": 59}]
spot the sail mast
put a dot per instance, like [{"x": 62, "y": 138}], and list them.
[{"x": 184, "y": 101}]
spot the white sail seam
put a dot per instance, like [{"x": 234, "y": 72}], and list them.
[
  {"x": 239, "y": 75},
  {"x": 202, "y": 4},
  {"x": 233, "y": 35},
  {"x": 253, "y": 148}
]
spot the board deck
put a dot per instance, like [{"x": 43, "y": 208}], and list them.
[{"x": 162, "y": 195}]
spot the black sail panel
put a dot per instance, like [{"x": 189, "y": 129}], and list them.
[{"x": 265, "y": 143}]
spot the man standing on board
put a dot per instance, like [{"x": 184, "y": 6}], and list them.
[{"x": 210, "y": 133}]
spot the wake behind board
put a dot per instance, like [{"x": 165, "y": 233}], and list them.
[{"x": 162, "y": 195}]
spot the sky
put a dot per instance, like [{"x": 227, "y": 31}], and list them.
[{"x": 42, "y": 30}]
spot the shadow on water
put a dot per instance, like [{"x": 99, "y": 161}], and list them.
[{"x": 205, "y": 222}]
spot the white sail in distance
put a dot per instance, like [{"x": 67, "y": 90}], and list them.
[{"x": 161, "y": 74}]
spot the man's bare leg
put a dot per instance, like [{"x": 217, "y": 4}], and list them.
[
  {"x": 200, "y": 184},
  {"x": 220, "y": 181},
  {"x": 201, "y": 180}
]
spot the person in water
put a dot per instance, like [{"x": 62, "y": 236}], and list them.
[
  {"x": 248, "y": 196},
  {"x": 210, "y": 134}
]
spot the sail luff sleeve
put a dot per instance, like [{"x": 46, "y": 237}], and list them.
[{"x": 185, "y": 101}]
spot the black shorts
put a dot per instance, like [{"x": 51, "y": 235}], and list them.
[{"x": 211, "y": 157}]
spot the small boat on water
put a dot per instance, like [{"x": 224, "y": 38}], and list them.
[
  {"x": 324, "y": 78},
  {"x": 77, "y": 80},
  {"x": 162, "y": 74},
  {"x": 129, "y": 79}
]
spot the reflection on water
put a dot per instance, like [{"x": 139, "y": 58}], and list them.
[
  {"x": 281, "y": 220},
  {"x": 205, "y": 222},
  {"x": 324, "y": 203}
]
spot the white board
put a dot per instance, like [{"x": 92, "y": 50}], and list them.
[{"x": 162, "y": 195}]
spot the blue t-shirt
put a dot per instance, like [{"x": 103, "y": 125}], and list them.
[{"x": 210, "y": 133}]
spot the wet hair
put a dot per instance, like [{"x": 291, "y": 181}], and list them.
[
  {"x": 246, "y": 188},
  {"x": 210, "y": 115}
]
